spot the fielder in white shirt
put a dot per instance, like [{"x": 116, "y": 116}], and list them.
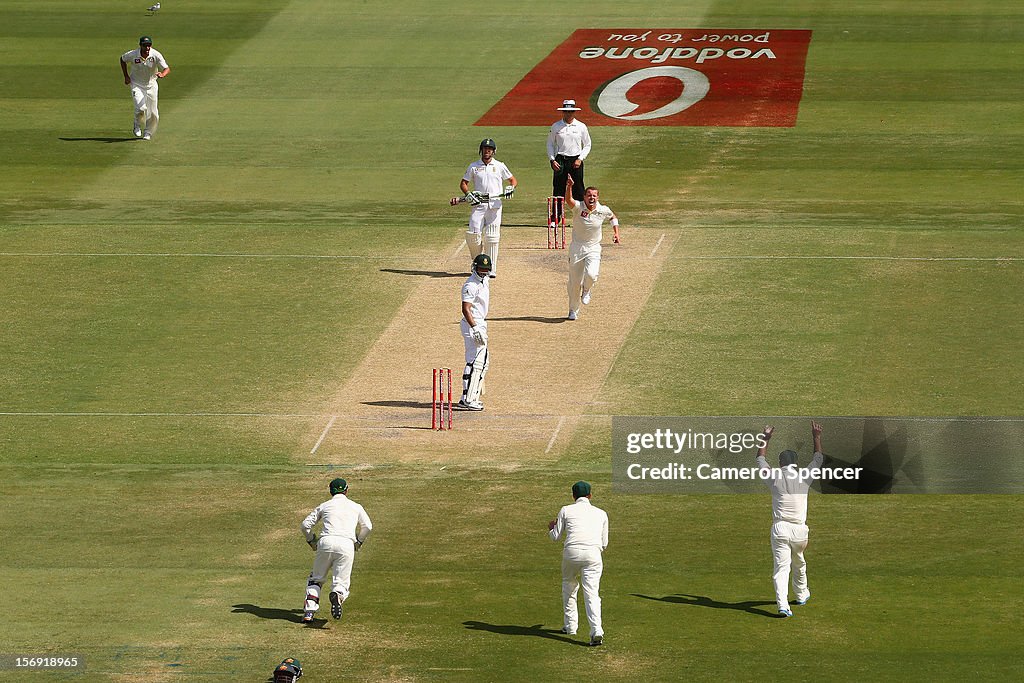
[
  {"x": 585, "y": 529},
  {"x": 487, "y": 177},
  {"x": 476, "y": 299},
  {"x": 141, "y": 69},
  {"x": 789, "y": 521},
  {"x": 585, "y": 249},
  {"x": 568, "y": 147},
  {"x": 345, "y": 527}
]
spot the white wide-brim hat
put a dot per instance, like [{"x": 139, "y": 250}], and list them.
[{"x": 568, "y": 105}]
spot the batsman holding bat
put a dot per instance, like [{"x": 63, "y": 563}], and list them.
[
  {"x": 585, "y": 249},
  {"x": 476, "y": 299},
  {"x": 487, "y": 177}
]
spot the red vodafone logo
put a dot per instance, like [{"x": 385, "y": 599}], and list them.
[{"x": 664, "y": 77}]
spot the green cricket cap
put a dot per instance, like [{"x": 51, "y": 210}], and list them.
[
  {"x": 339, "y": 485},
  {"x": 580, "y": 489},
  {"x": 145, "y": 40}
]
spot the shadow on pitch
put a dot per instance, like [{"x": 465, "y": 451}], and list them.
[
  {"x": 749, "y": 606},
  {"x": 398, "y": 404},
  {"x": 529, "y": 319},
  {"x": 515, "y": 630},
  {"x": 292, "y": 615},
  {"x": 107, "y": 140},
  {"x": 423, "y": 273}
]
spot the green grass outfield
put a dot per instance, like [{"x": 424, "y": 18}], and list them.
[{"x": 172, "y": 335}]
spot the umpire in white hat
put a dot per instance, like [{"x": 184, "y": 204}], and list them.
[{"x": 568, "y": 148}]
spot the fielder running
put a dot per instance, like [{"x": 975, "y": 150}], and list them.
[
  {"x": 476, "y": 299},
  {"x": 486, "y": 176},
  {"x": 585, "y": 249},
  {"x": 789, "y": 517},
  {"x": 345, "y": 528},
  {"x": 585, "y": 528},
  {"x": 147, "y": 65}
]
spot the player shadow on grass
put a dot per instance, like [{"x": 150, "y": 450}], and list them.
[
  {"x": 423, "y": 273},
  {"x": 515, "y": 630},
  {"x": 749, "y": 606},
  {"x": 292, "y": 615},
  {"x": 108, "y": 140}
]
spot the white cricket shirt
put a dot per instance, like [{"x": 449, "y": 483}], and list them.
[
  {"x": 570, "y": 139},
  {"x": 477, "y": 293},
  {"x": 586, "y": 225},
  {"x": 489, "y": 178},
  {"x": 143, "y": 70},
  {"x": 341, "y": 517},
  {"x": 584, "y": 525},
  {"x": 789, "y": 495}
]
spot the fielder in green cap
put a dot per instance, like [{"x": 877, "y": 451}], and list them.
[
  {"x": 585, "y": 529},
  {"x": 345, "y": 527}
]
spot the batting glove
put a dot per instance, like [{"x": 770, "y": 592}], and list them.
[
  {"x": 312, "y": 542},
  {"x": 474, "y": 198},
  {"x": 509, "y": 191},
  {"x": 478, "y": 336}
]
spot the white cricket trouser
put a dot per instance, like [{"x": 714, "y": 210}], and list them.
[
  {"x": 477, "y": 360},
  {"x": 584, "y": 264},
  {"x": 483, "y": 214},
  {"x": 147, "y": 114},
  {"x": 485, "y": 220},
  {"x": 788, "y": 544},
  {"x": 334, "y": 554},
  {"x": 582, "y": 565}
]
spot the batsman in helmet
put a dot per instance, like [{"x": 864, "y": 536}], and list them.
[
  {"x": 345, "y": 527},
  {"x": 476, "y": 299},
  {"x": 487, "y": 177}
]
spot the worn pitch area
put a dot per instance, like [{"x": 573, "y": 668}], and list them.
[{"x": 545, "y": 371}]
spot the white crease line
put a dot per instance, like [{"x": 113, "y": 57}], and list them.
[
  {"x": 660, "y": 240},
  {"x": 72, "y": 254},
  {"x": 459, "y": 250},
  {"x": 561, "y": 421},
  {"x": 344, "y": 257},
  {"x": 323, "y": 435}
]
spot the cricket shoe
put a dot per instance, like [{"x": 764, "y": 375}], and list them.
[
  {"x": 802, "y": 602},
  {"x": 473, "y": 405},
  {"x": 335, "y": 605},
  {"x": 784, "y": 613},
  {"x": 597, "y": 640},
  {"x": 567, "y": 631},
  {"x": 307, "y": 617},
  {"x": 138, "y": 131},
  {"x": 586, "y": 297},
  {"x": 147, "y": 136},
  {"x": 572, "y": 315}
]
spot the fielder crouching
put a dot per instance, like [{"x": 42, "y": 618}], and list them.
[
  {"x": 476, "y": 299},
  {"x": 345, "y": 527}
]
